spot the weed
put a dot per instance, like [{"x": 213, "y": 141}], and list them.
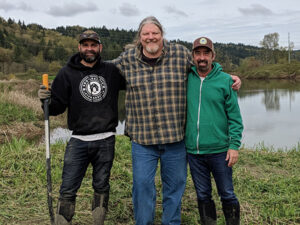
[{"x": 266, "y": 183}]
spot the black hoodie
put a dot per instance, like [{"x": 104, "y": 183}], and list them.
[{"x": 90, "y": 94}]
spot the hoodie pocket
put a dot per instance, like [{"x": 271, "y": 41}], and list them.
[{"x": 208, "y": 136}]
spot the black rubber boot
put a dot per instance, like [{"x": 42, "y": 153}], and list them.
[
  {"x": 65, "y": 212},
  {"x": 231, "y": 213},
  {"x": 100, "y": 207},
  {"x": 207, "y": 211}
]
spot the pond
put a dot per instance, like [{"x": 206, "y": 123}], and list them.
[{"x": 270, "y": 111}]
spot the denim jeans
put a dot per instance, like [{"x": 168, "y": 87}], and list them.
[
  {"x": 173, "y": 164},
  {"x": 202, "y": 166},
  {"x": 78, "y": 155}
]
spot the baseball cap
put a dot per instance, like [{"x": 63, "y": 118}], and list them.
[
  {"x": 89, "y": 35},
  {"x": 203, "y": 42}
]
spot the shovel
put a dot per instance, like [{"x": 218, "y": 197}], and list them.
[{"x": 48, "y": 159}]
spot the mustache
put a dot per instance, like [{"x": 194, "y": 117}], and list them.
[
  {"x": 151, "y": 41},
  {"x": 90, "y": 51},
  {"x": 202, "y": 61}
]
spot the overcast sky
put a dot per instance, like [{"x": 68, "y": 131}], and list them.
[{"x": 236, "y": 21}]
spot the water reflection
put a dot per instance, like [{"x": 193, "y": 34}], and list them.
[
  {"x": 59, "y": 135},
  {"x": 271, "y": 100},
  {"x": 270, "y": 111},
  {"x": 63, "y": 135}
]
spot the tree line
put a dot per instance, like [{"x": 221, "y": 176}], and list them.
[{"x": 33, "y": 49}]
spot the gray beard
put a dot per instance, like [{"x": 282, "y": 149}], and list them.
[
  {"x": 89, "y": 59},
  {"x": 153, "y": 49}
]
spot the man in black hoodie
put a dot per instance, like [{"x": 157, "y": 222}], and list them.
[{"x": 89, "y": 88}]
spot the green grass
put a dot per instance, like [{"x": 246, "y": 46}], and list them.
[
  {"x": 281, "y": 70},
  {"x": 13, "y": 113},
  {"x": 266, "y": 183}
]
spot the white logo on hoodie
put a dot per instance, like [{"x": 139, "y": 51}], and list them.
[{"x": 93, "y": 88}]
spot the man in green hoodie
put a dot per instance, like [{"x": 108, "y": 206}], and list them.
[{"x": 213, "y": 133}]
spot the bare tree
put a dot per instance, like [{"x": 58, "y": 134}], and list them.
[{"x": 270, "y": 44}]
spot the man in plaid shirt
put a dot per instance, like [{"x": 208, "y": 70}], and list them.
[{"x": 156, "y": 75}]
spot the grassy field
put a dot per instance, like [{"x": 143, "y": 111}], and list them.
[
  {"x": 266, "y": 183},
  {"x": 282, "y": 70},
  {"x": 21, "y": 114}
]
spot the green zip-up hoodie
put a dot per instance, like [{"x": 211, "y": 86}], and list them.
[{"x": 214, "y": 122}]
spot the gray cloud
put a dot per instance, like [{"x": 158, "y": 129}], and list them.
[
  {"x": 127, "y": 9},
  {"x": 209, "y": 2},
  {"x": 7, "y": 6},
  {"x": 173, "y": 10},
  {"x": 256, "y": 10},
  {"x": 71, "y": 9}
]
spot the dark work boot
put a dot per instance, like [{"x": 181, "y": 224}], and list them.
[
  {"x": 231, "y": 213},
  {"x": 207, "y": 211},
  {"x": 65, "y": 212},
  {"x": 100, "y": 207}
]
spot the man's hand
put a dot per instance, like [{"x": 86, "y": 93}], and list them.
[
  {"x": 237, "y": 82},
  {"x": 43, "y": 93},
  {"x": 232, "y": 156}
]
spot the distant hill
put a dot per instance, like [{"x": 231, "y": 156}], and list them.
[
  {"x": 30, "y": 49},
  {"x": 230, "y": 55}
]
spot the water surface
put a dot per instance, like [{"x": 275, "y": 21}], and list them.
[{"x": 270, "y": 111}]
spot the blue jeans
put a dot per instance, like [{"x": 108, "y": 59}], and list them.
[
  {"x": 78, "y": 155},
  {"x": 173, "y": 164},
  {"x": 202, "y": 166}
]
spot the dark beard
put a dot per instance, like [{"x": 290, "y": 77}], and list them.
[
  {"x": 202, "y": 69},
  {"x": 90, "y": 59}
]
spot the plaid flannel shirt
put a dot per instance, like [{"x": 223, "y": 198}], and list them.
[{"x": 155, "y": 95}]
